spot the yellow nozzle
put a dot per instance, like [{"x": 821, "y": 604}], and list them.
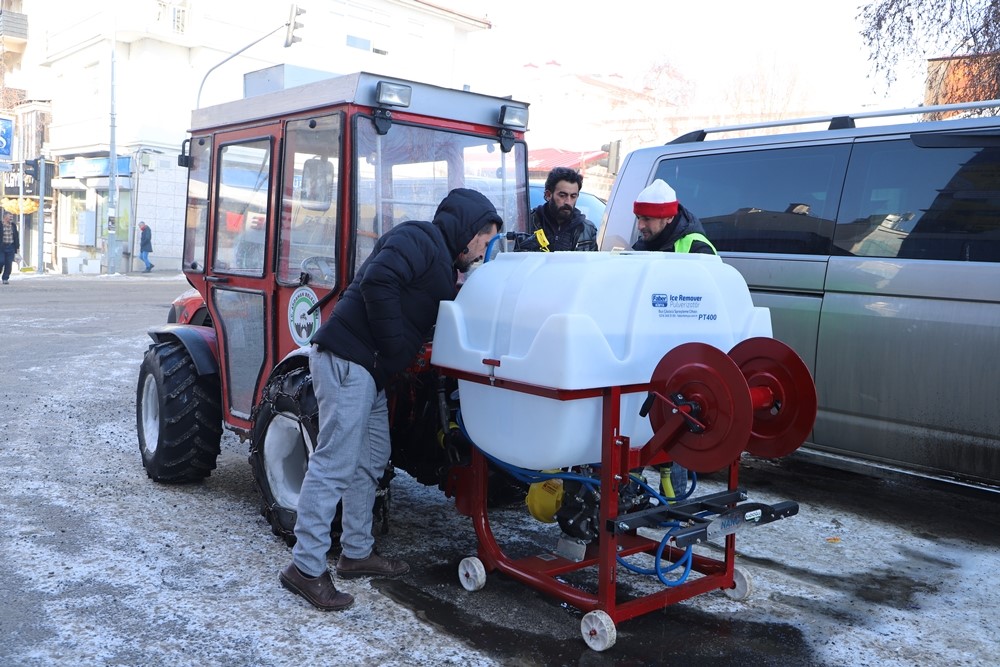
[{"x": 543, "y": 241}]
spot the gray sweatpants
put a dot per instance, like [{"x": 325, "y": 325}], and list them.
[{"x": 351, "y": 455}]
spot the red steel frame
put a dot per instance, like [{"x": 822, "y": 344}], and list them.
[{"x": 617, "y": 459}]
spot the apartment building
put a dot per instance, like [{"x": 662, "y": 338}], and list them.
[{"x": 81, "y": 81}]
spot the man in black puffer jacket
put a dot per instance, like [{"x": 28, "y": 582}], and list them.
[
  {"x": 375, "y": 331},
  {"x": 563, "y": 225}
]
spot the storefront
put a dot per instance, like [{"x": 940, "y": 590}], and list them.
[
  {"x": 82, "y": 219},
  {"x": 19, "y": 196}
]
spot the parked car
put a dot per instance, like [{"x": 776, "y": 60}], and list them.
[
  {"x": 589, "y": 204},
  {"x": 877, "y": 251}
]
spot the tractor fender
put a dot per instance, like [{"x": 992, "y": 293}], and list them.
[
  {"x": 200, "y": 342},
  {"x": 294, "y": 359},
  {"x": 188, "y": 308}
]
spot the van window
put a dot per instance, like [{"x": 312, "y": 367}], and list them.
[
  {"x": 921, "y": 203},
  {"x": 778, "y": 201}
]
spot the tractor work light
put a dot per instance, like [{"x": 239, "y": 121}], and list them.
[
  {"x": 514, "y": 117},
  {"x": 393, "y": 94}
]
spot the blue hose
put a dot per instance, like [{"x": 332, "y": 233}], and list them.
[
  {"x": 658, "y": 569},
  {"x": 689, "y": 490},
  {"x": 523, "y": 474},
  {"x": 489, "y": 248},
  {"x": 526, "y": 476}
]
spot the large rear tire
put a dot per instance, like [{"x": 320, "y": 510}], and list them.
[
  {"x": 285, "y": 434},
  {"x": 178, "y": 416}
]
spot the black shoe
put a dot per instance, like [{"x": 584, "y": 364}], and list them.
[
  {"x": 319, "y": 591},
  {"x": 372, "y": 566}
]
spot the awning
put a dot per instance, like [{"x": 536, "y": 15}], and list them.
[{"x": 18, "y": 205}]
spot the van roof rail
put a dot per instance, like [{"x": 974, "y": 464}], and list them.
[{"x": 837, "y": 122}]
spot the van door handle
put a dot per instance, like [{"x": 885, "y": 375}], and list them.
[{"x": 216, "y": 279}]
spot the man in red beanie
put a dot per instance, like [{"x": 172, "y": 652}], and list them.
[{"x": 666, "y": 225}]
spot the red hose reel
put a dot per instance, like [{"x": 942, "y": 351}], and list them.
[{"x": 760, "y": 398}]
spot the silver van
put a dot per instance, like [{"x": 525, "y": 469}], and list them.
[{"x": 877, "y": 251}]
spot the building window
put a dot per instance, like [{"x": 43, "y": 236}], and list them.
[
  {"x": 172, "y": 16},
  {"x": 77, "y": 220},
  {"x": 359, "y": 43}
]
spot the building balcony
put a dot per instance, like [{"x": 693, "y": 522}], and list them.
[{"x": 13, "y": 31}]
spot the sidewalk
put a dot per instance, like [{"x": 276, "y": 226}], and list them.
[{"x": 156, "y": 274}]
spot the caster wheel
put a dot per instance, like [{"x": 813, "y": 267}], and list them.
[
  {"x": 471, "y": 573},
  {"x": 598, "y": 630},
  {"x": 743, "y": 586}
]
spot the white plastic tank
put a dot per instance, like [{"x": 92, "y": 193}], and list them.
[{"x": 580, "y": 320}]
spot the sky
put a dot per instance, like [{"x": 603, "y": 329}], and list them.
[{"x": 817, "y": 45}]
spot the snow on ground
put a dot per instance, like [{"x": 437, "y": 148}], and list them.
[{"x": 100, "y": 566}]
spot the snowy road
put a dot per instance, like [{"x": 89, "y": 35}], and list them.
[{"x": 100, "y": 566}]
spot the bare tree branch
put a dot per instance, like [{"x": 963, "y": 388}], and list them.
[{"x": 960, "y": 38}]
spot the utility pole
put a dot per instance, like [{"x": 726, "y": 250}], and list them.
[
  {"x": 112, "y": 250},
  {"x": 290, "y": 38},
  {"x": 41, "y": 217}
]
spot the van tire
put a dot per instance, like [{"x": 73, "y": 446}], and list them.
[
  {"x": 178, "y": 416},
  {"x": 285, "y": 433}
]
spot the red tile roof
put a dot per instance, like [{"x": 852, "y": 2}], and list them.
[{"x": 543, "y": 160}]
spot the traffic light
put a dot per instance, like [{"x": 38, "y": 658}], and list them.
[
  {"x": 30, "y": 168},
  {"x": 293, "y": 25},
  {"x": 613, "y": 160}
]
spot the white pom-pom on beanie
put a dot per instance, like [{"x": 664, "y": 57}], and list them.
[{"x": 658, "y": 200}]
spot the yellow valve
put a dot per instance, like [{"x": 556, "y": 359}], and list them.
[{"x": 543, "y": 241}]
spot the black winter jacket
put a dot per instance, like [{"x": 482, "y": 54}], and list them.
[
  {"x": 577, "y": 234},
  {"x": 146, "y": 239},
  {"x": 684, "y": 223},
  {"x": 16, "y": 245},
  {"x": 389, "y": 309}
]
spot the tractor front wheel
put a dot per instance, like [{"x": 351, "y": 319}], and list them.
[
  {"x": 178, "y": 416},
  {"x": 285, "y": 434}
]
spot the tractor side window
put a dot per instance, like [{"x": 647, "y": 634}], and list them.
[
  {"x": 309, "y": 205},
  {"x": 241, "y": 212},
  {"x": 196, "y": 223}
]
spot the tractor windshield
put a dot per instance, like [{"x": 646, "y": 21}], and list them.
[{"x": 405, "y": 173}]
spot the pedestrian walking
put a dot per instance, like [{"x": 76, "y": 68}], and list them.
[
  {"x": 145, "y": 245},
  {"x": 10, "y": 243}
]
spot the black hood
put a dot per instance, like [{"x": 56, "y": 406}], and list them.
[{"x": 461, "y": 215}]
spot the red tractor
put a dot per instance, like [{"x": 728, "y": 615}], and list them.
[{"x": 287, "y": 193}]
